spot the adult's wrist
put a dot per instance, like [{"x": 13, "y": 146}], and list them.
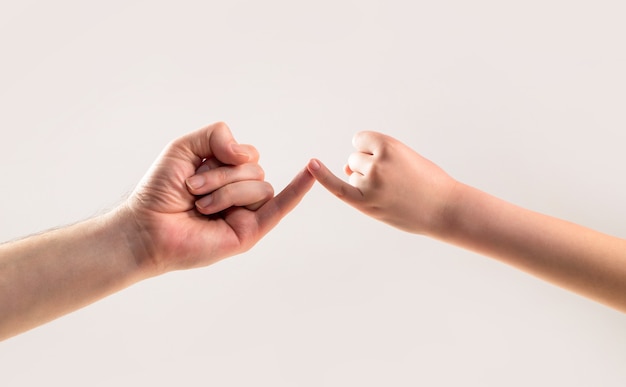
[{"x": 135, "y": 242}]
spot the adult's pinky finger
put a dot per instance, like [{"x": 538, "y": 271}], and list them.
[
  {"x": 275, "y": 209},
  {"x": 332, "y": 183}
]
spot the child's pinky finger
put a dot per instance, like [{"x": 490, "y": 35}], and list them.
[{"x": 332, "y": 183}]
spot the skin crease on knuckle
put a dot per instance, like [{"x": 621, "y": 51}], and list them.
[
  {"x": 342, "y": 192},
  {"x": 222, "y": 176}
]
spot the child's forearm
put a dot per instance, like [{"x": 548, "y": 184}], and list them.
[{"x": 579, "y": 259}]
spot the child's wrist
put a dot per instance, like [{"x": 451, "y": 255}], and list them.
[{"x": 452, "y": 198}]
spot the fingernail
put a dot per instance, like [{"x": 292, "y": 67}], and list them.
[
  {"x": 239, "y": 150},
  {"x": 315, "y": 165},
  {"x": 205, "y": 201},
  {"x": 195, "y": 182}
]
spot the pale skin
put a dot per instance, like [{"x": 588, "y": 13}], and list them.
[
  {"x": 392, "y": 183},
  {"x": 203, "y": 200}
]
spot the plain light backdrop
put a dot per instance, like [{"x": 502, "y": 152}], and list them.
[{"x": 524, "y": 100}]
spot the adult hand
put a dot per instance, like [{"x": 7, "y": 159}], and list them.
[{"x": 205, "y": 199}]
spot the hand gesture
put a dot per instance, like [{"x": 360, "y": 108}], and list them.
[
  {"x": 390, "y": 182},
  {"x": 204, "y": 199}
]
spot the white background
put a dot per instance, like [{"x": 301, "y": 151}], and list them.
[{"x": 524, "y": 100}]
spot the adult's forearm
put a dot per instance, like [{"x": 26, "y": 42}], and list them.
[
  {"x": 571, "y": 256},
  {"x": 46, "y": 276}
]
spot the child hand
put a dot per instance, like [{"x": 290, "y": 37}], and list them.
[{"x": 392, "y": 183}]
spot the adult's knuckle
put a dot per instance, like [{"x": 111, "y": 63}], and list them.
[
  {"x": 225, "y": 175},
  {"x": 220, "y": 125},
  {"x": 257, "y": 171}
]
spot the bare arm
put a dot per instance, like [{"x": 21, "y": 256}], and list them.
[
  {"x": 45, "y": 276},
  {"x": 571, "y": 256},
  {"x": 170, "y": 222},
  {"x": 392, "y": 183}
]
